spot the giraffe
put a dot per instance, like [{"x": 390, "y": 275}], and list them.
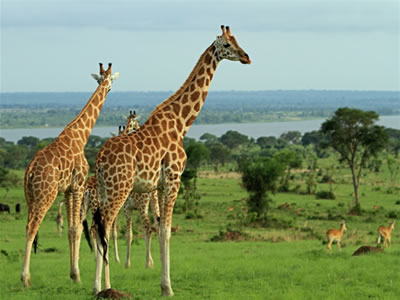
[
  {"x": 132, "y": 123},
  {"x": 154, "y": 157},
  {"x": 134, "y": 200},
  {"x": 62, "y": 167},
  {"x": 59, "y": 219}
]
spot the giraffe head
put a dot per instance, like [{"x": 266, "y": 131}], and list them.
[
  {"x": 132, "y": 123},
  {"x": 227, "y": 47},
  {"x": 105, "y": 74}
]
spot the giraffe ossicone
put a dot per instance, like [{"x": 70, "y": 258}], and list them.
[{"x": 153, "y": 158}]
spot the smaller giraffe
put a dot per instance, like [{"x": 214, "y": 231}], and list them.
[
  {"x": 132, "y": 123},
  {"x": 385, "y": 233},
  {"x": 59, "y": 219}
]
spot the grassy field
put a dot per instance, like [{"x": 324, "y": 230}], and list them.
[{"x": 285, "y": 261}]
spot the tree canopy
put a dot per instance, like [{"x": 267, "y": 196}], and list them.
[{"x": 352, "y": 133}]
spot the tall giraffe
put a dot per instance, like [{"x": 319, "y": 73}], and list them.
[
  {"x": 154, "y": 157},
  {"x": 62, "y": 167}
]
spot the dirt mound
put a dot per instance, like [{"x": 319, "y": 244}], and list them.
[
  {"x": 112, "y": 294},
  {"x": 367, "y": 249}
]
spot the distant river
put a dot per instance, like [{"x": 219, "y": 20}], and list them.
[{"x": 254, "y": 130}]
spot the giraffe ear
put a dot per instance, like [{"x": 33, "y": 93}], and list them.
[
  {"x": 115, "y": 76},
  {"x": 96, "y": 77}
]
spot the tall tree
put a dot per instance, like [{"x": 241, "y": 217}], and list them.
[{"x": 353, "y": 134}]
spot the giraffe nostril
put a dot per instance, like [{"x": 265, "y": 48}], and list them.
[{"x": 246, "y": 55}]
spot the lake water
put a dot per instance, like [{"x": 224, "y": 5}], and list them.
[{"x": 254, "y": 130}]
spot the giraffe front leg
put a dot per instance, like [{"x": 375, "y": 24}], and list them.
[
  {"x": 129, "y": 236},
  {"x": 155, "y": 208},
  {"x": 167, "y": 203},
  {"x": 143, "y": 207},
  {"x": 115, "y": 239},
  {"x": 75, "y": 231},
  {"x": 165, "y": 236}
]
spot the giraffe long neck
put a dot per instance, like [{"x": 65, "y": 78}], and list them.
[
  {"x": 186, "y": 103},
  {"x": 81, "y": 127}
]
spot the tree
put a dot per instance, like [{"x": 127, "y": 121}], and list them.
[
  {"x": 232, "y": 139},
  {"x": 196, "y": 153},
  {"x": 291, "y": 137},
  {"x": 260, "y": 176},
  {"x": 393, "y": 165},
  {"x": 291, "y": 160},
  {"x": 267, "y": 142},
  {"x": 352, "y": 133},
  {"x": 311, "y": 161},
  {"x": 29, "y": 141},
  {"x": 8, "y": 179},
  {"x": 209, "y": 138},
  {"x": 219, "y": 154}
]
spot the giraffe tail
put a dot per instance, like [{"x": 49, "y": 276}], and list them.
[
  {"x": 36, "y": 242},
  {"x": 101, "y": 233},
  {"x": 86, "y": 232}
]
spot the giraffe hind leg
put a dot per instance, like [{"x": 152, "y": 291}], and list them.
[{"x": 36, "y": 214}]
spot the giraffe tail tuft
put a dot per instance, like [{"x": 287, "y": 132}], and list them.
[
  {"x": 36, "y": 242},
  {"x": 86, "y": 232},
  {"x": 101, "y": 232}
]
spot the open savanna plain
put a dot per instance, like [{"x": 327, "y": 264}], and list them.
[{"x": 217, "y": 254}]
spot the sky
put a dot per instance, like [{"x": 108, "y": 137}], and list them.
[{"x": 53, "y": 46}]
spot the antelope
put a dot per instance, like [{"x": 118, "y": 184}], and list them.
[
  {"x": 385, "y": 233},
  {"x": 335, "y": 234}
]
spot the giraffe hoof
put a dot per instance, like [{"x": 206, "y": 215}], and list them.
[
  {"x": 166, "y": 291},
  {"x": 26, "y": 280},
  {"x": 75, "y": 277}
]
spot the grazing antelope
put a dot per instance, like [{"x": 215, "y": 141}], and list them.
[
  {"x": 335, "y": 234},
  {"x": 59, "y": 219},
  {"x": 385, "y": 233}
]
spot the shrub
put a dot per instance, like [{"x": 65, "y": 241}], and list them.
[
  {"x": 325, "y": 195},
  {"x": 392, "y": 214}
]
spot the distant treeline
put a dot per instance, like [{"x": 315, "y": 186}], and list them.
[{"x": 21, "y": 110}]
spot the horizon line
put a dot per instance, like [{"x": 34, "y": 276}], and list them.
[{"x": 217, "y": 91}]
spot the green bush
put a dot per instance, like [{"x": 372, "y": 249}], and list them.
[{"x": 325, "y": 195}]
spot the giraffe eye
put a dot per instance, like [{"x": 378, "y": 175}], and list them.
[{"x": 227, "y": 45}]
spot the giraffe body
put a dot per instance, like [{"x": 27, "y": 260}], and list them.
[
  {"x": 153, "y": 158},
  {"x": 62, "y": 167}
]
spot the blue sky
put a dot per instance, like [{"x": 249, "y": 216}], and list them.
[{"x": 293, "y": 44}]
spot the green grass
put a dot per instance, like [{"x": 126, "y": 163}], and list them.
[{"x": 287, "y": 262}]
